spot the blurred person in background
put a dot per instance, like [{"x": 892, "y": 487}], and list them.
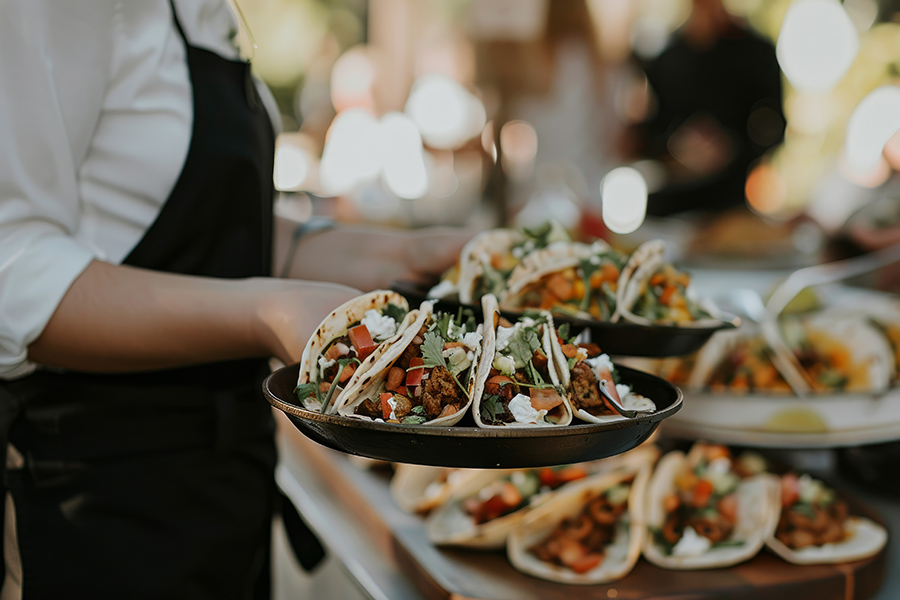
[
  {"x": 716, "y": 99},
  {"x": 136, "y": 312}
]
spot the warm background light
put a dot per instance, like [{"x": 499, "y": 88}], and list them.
[{"x": 623, "y": 193}]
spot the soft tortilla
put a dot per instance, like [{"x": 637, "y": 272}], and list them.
[
  {"x": 865, "y": 538},
  {"x": 620, "y": 556},
  {"x": 370, "y": 384},
  {"x": 491, "y": 313},
  {"x": 756, "y": 518},
  {"x": 477, "y": 251},
  {"x": 337, "y": 324}
]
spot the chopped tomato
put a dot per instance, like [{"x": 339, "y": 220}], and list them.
[
  {"x": 394, "y": 378},
  {"x": 362, "y": 341},
  {"x": 545, "y": 398},
  {"x": 333, "y": 352},
  {"x": 671, "y": 503},
  {"x": 610, "y": 272},
  {"x": 586, "y": 562},
  {"x": 571, "y": 474},
  {"x": 385, "y": 405},
  {"x": 714, "y": 451},
  {"x": 347, "y": 372},
  {"x": 658, "y": 279},
  {"x": 668, "y": 292},
  {"x": 728, "y": 507},
  {"x": 511, "y": 495},
  {"x": 402, "y": 390},
  {"x": 790, "y": 489},
  {"x": 560, "y": 286},
  {"x": 414, "y": 377},
  {"x": 547, "y": 476},
  {"x": 570, "y": 350},
  {"x": 702, "y": 493}
]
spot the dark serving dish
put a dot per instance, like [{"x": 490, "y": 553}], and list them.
[
  {"x": 473, "y": 447},
  {"x": 622, "y": 339}
]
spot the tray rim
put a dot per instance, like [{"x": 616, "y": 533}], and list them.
[{"x": 455, "y": 431}]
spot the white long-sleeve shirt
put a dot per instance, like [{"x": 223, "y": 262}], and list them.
[{"x": 95, "y": 122}]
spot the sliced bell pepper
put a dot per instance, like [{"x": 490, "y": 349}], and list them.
[{"x": 414, "y": 375}]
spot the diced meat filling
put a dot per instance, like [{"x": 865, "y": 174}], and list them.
[
  {"x": 440, "y": 390},
  {"x": 579, "y": 542},
  {"x": 823, "y": 525}
]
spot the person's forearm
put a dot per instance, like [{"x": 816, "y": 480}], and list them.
[{"x": 118, "y": 318}]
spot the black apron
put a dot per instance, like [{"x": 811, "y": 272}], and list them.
[{"x": 160, "y": 484}]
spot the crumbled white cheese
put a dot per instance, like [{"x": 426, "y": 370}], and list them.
[
  {"x": 523, "y": 412},
  {"x": 595, "y": 260},
  {"x": 393, "y": 404},
  {"x": 518, "y": 252},
  {"x": 458, "y": 359},
  {"x": 343, "y": 349},
  {"x": 582, "y": 353},
  {"x": 691, "y": 543},
  {"x": 324, "y": 364},
  {"x": 444, "y": 289},
  {"x": 719, "y": 466},
  {"x": 600, "y": 363},
  {"x": 810, "y": 489},
  {"x": 504, "y": 364},
  {"x": 380, "y": 326},
  {"x": 472, "y": 340},
  {"x": 504, "y": 334}
]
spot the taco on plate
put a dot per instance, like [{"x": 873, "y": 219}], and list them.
[
  {"x": 568, "y": 278},
  {"x": 425, "y": 377},
  {"x": 652, "y": 291},
  {"x": 517, "y": 378},
  {"x": 346, "y": 343},
  {"x": 590, "y": 532},
  {"x": 591, "y": 383},
  {"x": 701, "y": 512},
  {"x": 814, "y": 525}
]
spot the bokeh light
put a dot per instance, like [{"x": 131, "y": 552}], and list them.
[
  {"x": 351, "y": 155},
  {"x": 403, "y": 163},
  {"x": 446, "y": 114},
  {"x": 518, "y": 145},
  {"x": 817, "y": 44},
  {"x": 624, "y": 199},
  {"x": 875, "y": 120},
  {"x": 765, "y": 189}
]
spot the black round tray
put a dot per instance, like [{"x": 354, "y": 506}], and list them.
[
  {"x": 473, "y": 447},
  {"x": 621, "y": 338}
]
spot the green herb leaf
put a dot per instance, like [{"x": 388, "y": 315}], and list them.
[
  {"x": 804, "y": 508},
  {"x": 491, "y": 407},
  {"x": 418, "y": 410},
  {"x": 563, "y": 332},
  {"x": 587, "y": 269},
  {"x": 728, "y": 544},
  {"x": 306, "y": 390},
  {"x": 413, "y": 420},
  {"x": 433, "y": 350},
  {"x": 522, "y": 345},
  {"x": 395, "y": 312}
]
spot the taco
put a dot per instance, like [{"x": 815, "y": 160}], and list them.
[
  {"x": 489, "y": 505},
  {"x": 652, "y": 291},
  {"x": 518, "y": 381},
  {"x": 592, "y": 386},
  {"x": 590, "y": 532},
  {"x": 814, "y": 525},
  {"x": 487, "y": 260},
  {"x": 702, "y": 514},
  {"x": 420, "y": 488},
  {"x": 426, "y": 377},
  {"x": 346, "y": 343},
  {"x": 837, "y": 353},
  {"x": 568, "y": 278}
]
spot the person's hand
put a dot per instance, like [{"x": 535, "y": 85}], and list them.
[
  {"x": 290, "y": 311},
  {"x": 372, "y": 258}
]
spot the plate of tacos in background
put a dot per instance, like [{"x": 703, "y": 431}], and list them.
[{"x": 635, "y": 304}]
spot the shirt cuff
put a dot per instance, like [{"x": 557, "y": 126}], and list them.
[{"x": 33, "y": 282}]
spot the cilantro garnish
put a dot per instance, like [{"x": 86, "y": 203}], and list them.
[
  {"x": 522, "y": 346},
  {"x": 306, "y": 390},
  {"x": 491, "y": 407},
  {"x": 433, "y": 355},
  {"x": 563, "y": 332},
  {"x": 395, "y": 312}
]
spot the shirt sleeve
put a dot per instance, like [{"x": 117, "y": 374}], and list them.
[{"x": 52, "y": 73}]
